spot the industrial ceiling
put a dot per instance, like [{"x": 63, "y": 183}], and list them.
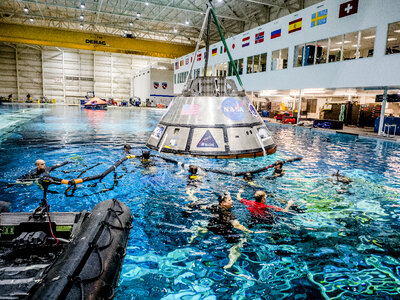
[{"x": 176, "y": 21}]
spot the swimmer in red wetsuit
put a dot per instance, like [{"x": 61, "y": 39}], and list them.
[{"x": 261, "y": 212}]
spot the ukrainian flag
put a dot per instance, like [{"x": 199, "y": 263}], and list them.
[{"x": 319, "y": 18}]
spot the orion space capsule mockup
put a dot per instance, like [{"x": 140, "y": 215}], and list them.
[{"x": 212, "y": 118}]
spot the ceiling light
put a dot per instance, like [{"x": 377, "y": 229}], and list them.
[
  {"x": 175, "y": 30},
  {"x": 187, "y": 22},
  {"x": 313, "y": 91},
  {"x": 369, "y": 37},
  {"x": 336, "y": 49},
  {"x": 219, "y": 1},
  {"x": 147, "y": 3},
  {"x": 31, "y": 19},
  {"x": 398, "y": 31},
  {"x": 391, "y": 39},
  {"x": 81, "y": 17},
  {"x": 81, "y": 26},
  {"x": 339, "y": 43},
  {"x": 82, "y": 5},
  {"x": 130, "y": 23},
  {"x": 138, "y": 14},
  {"x": 346, "y": 42},
  {"x": 354, "y": 46},
  {"x": 125, "y": 31},
  {"x": 26, "y": 9},
  {"x": 268, "y": 93}
]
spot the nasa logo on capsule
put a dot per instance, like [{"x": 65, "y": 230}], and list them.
[{"x": 233, "y": 109}]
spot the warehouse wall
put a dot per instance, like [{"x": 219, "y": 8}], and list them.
[{"x": 67, "y": 74}]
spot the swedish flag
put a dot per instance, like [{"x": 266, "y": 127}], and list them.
[{"x": 319, "y": 18}]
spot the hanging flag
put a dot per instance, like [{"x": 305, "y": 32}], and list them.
[
  {"x": 348, "y": 8},
  {"x": 176, "y": 65},
  {"x": 295, "y": 25},
  {"x": 233, "y": 46},
  {"x": 187, "y": 60},
  {"x": 245, "y": 41},
  {"x": 191, "y": 59},
  {"x": 275, "y": 34},
  {"x": 199, "y": 57},
  {"x": 222, "y": 49},
  {"x": 181, "y": 63},
  {"x": 214, "y": 52},
  {"x": 155, "y": 84},
  {"x": 259, "y": 37},
  {"x": 164, "y": 85},
  {"x": 319, "y": 18}
]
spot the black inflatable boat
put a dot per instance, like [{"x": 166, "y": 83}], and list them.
[{"x": 63, "y": 255}]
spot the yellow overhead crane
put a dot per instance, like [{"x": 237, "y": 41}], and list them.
[{"x": 90, "y": 41}]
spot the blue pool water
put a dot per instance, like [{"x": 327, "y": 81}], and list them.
[{"x": 345, "y": 246}]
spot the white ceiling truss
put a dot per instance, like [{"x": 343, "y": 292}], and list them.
[{"x": 176, "y": 21}]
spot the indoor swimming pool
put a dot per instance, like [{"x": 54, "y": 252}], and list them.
[{"x": 344, "y": 245}]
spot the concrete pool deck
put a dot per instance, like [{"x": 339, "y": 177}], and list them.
[{"x": 365, "y": 132}]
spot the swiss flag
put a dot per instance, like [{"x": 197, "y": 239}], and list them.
[{"x": 348, "y": 8}]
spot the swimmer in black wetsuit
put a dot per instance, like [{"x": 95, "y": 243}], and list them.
[
  {"x": 224, "y": 222},
  {"x": 40, "y": 171},
  {"x": 147, "y": 162},
  {"x": 278, "y": 170},
  {"x": 341, "y": 178},
  {"x": 127, "y": 149}
]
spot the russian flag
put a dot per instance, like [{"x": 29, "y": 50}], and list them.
[
  {"x": 259, "y": 37},
  {"x": 245, "y": 41},
  {"x": 275, "y": 34}
]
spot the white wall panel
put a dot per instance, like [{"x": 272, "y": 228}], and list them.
[
  {"x": 8, "y": 75},
  {"x": 67, "y": 73}
]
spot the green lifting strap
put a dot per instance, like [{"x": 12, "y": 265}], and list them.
[{"x": 226, "y": 47}]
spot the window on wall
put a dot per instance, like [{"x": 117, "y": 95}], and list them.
[
  {"x": 298, "y": 55},
  {"x": 322, "y": 49},
  {"x": 224, "y": 68},
  {"x": 393, "y": 38},
  {"x": 279, "y": 59},
  {"x": 263, "y": 62},
  {"x": 240, "y": 66},
  {"x": 250, "y": 65},
  {"x": 256, "y": 64},
  {"x": 309, "y": 54},
  {"x": 350, "y": 46},
  {"x": 335, "y": 48},
  {"x": 367, "y": 42},
  {"x": 196, "y": 73}
]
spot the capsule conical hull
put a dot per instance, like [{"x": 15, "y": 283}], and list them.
[{"x": 220, "y": 123}]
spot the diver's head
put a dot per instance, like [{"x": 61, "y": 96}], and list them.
[
  {"x": 146, "y": 154},
  {"x": 260, "y": 196},
  {"x": 248, "y": 176},
  {"x": 225, "y": 200},
  {"x": 127, "y": 148},
  {"x": 193, "y": 169},
  {"x": 40, "y": 164}
]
